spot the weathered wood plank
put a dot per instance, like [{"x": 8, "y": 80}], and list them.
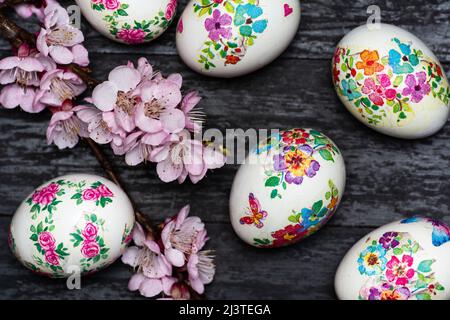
[
  {"x": 303, "y": 271},
  {"x": 387, "y": 178},
  {"x": 323, "y": 24}
]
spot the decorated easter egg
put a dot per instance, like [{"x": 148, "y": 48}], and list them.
[
  {"x": 75, "y": 223},
  {"x": 288, "y": 188},
  {"x": 391, "y": 81},
  {"x": 129, "y": 21},
  {"x": 235, "y": 37},
  {"x": 404, "y": 260}
]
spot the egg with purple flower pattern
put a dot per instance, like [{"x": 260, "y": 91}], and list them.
[
  {"x": 391, "y": 81},
  {"x": 75, "y": 223},
  {"x": 288, "y": 188},
  {"x": 235, "y": 37},
  {"x": 404, "y": 260}
]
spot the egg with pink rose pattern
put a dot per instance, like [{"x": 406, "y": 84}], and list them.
[
  {"x": 404, "y": 260},
  {"x": 288, "y": 188},
  {"x": 235, "y": 37},
  {"x": 74, "y": 223},
  {"x": 129, "y": 21},
  {"x": 391, "y": 81}
]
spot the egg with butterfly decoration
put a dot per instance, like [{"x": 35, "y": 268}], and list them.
[
  {"x": 288, "y": 188},
  {"x": 404, "y": 260}
]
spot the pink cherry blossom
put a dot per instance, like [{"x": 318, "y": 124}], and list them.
[
  {"x": 154, "y": 272},
  {"x": 59, "y": 39},
  {"x": 201, "y": 269},
  {"x": 157, "y": 112},
  {"x": 57, "y": 86},
  {"x": 182, "y": 236},
  {"x": 13, "y": 96},
  {"x": 65, "y": 127},
  {"x": 118, "y": 95}
]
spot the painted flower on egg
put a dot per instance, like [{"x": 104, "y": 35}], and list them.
[
  {"x": 233, "y": 26},
  {"x": 396, "y": 267},
  {"x": 382, "y": 85},
  {"x": 294, "y": 157}
]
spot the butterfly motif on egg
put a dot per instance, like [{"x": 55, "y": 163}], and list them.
[
  {"x": 255, "y": 215},
  {"x": 441, "y": 232}
]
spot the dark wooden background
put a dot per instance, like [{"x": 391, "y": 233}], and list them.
[{"x": 387, "y": 178}]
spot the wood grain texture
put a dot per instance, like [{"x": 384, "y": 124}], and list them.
[{"x": 387, "y": 178}]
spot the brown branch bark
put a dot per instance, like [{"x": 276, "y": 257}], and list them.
[{"x": 109, "y": 170}]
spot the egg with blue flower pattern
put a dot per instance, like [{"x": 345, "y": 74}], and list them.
[
  {"x": 229, "y": 38},
  {"x": 391, "y": 81},
  {"x": 404, "y": 260},
  {"x": 288, "y": 188}
]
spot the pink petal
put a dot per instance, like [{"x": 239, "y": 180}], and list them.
[
  {"x": 80, "y": 55},
  {"x": 134, "y": 156},
  {"x": 136, "y": 281},
  {"x": 167, "y": 283},
  {"x": 168, "y": 171},
  {"x": 41, "y": 43},
  {"x": 125, "y": 78},
  {"x": 138, "y": 235},
  {"x": 197, "y": 285},
  {"x": 160, "y": 153},
  {"x": 190, "y": 101},
  {"x": 130, "y": 256},
  {"x": 173, "y": 121},
  {"x": 151, "y": 287},
  {"x": 9, "y": 63},
  {"x": 61, "y": 55},
  {"x": 104, "y": 96},
  {"x": 175, "y": 257},
  {"x": 176, "y": 78},
  {"x": 125, "y": 121},
  {"x": 155, "y": 139},
  {"x": 213, "y": 159}
]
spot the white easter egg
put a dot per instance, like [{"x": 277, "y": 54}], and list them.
[
  {"x": 404, "y": 260},
  {"x": 74, "y": 223},
  {"x": 129, "y": 21},
  {"x": 234, "y": 37},
  {"x": 391, "y": 81},
  {"x": 287, "y": 189}
]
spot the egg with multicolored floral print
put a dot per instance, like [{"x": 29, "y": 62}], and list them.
[
  {"x": 288, "y": 188},
  {"x": 129, "y": 21},
  {"x": 73, "y": 224},
  {"x": 391, "y": 81},
  {"x": 235, "y": 37},
  {"x": 404, "y": 260}
]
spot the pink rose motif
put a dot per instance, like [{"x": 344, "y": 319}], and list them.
[
  {"x": 96, "y": 1},
  {"x": 46, "y": 241},
  {"x": 91, "y": 194},
  {"x": 111, "y": 4},
  {"x": 90, "y": 232},
  {"x": 52, "y": 258},
  {"x": 104, "y": 191},
  {"x": 46, "y": 194},
  {"x": 131, "y": 36},
  {"x": 90, "y": 249},
  {"x": 170, "y": 10}
]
